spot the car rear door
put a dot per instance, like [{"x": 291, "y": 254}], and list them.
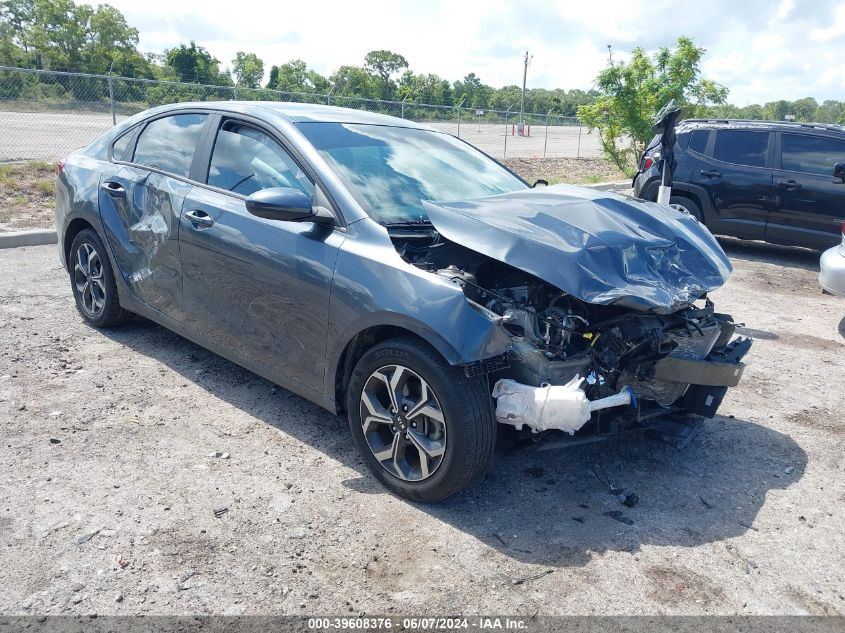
[
  {"x": 141, "y": 197},
  {"x": 809, "y": 203},
  {"x": 258, "y": 287},
  {"x": 736, "y": 173}
]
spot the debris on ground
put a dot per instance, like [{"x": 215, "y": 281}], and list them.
[
  {"x": 520, "y": 581},
  {"x": 219, "y": 512},
  {"x": 618, "y": 516}
]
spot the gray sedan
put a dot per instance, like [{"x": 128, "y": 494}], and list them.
[{"x": 398, "y": 276}]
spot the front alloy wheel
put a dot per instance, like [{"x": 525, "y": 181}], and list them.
[{"x": 403, "y": 423}]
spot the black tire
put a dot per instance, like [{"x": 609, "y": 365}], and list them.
[
  {"x": 688, "y": 204},
  {"x": 465, "y": 403},
  {"x": 107, "y": 311}
]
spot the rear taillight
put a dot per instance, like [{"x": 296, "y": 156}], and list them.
[
  {"x": 648, "y": 162},
  {"x": 60, "y": 166}
]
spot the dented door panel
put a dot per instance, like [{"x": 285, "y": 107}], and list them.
[{"x": 140, "y": 210}]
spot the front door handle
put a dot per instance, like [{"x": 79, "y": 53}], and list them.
[
  {"x": 199, "y": 218},
  {"x": 710, "y": 173},
  {"x": 789, "y": 185},
  {"x": 113, "y": 189}
]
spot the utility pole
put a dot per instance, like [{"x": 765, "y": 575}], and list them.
[
  {"x": 609, "y": 55},
  {"x": 524, "y": 77}
]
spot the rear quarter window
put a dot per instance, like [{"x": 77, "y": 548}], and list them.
[
  {"x": 120, "y": 147},
  {"x": 742, "y": 147},
  {"x": 698, "y": 141}
]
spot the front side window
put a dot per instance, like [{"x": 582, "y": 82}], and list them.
[
  {"x": 391, "y": 170},
  {"x": 811, "y": 154},
  {"x": 742, "y": 147},
  {"x": 169, "y": 143},
  {"x": 246, "y": 160}
]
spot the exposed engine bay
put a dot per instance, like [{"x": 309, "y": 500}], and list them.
[{"x": 573, "y": 362}]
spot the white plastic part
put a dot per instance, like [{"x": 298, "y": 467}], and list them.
[
  {"x": 559, "y": 407},
  {"x": 664, "y": 194}
]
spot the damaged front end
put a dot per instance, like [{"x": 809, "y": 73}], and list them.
[{"x": 605, "y": 303}]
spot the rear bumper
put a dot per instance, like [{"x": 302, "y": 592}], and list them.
[{"x": 832, "y": 265}]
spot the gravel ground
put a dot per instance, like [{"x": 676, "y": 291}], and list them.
[{"x": 142, "y": 474}]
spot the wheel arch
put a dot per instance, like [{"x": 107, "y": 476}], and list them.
[
  {"x": 341, "y": 369},
  {"x": 76, "y": 226}
]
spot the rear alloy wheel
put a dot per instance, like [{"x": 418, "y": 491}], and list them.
[
  {"x": 425, "y": 429},
  {"x": 92, "y": 281}
]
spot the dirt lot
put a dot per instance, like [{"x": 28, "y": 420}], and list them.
[
  {"x": 27, "y": 192},
  {"x": 576, "y": 171},
  {"x": 119, "y": 446}
]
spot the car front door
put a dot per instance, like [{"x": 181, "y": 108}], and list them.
[
  {"x": 809, "y": 203},
  {"x": 141, "y": 197},
  {"x": 737, "y": 175},
  {"x": 258, "y": 287}
]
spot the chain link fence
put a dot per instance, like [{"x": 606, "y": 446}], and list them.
[{"x": 45, "y": 115}]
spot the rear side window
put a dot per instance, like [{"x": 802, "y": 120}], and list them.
[
  {"x": 698, "y": 140},
  {"x": 169, "y": 143},
  {"x": 811, "y": 154},
  {"x": 742, "y": 147},
  {"x": 246, "y": 160}
]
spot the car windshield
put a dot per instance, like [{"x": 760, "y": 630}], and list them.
[{"x": 391, "y": 170}]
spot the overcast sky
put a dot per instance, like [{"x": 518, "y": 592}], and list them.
[{"x": 761, "y": 50}]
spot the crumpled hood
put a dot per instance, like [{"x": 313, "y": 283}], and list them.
[{"x": 600, "y": 247}]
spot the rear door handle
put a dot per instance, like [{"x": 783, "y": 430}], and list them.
[
  {"x": 199, "y": 218},
  {"x": 789, "y": 185},
  {"x": 113, "y": 188},
  {"x": 710, "y": 173}
]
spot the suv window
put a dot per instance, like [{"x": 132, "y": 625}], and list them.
[
  {"x": 811, "y": 154},
  {"x": 169, "y": 143},
  {"x": 698, "y": 140},
  {"x": 246, "y": 160},
  {"x": 742, "y": 147}
]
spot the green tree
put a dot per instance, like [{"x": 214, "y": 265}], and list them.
[
  {"x": 631, "y": 94},
  {"x": 384, "y": 64},
  {"x": 353, "y": 81},
  {"x": 295, "y": 76},
  {"x": 194, "y": 64},
  {"x": 248, "y": 70},
  {"x": 777, "y": 110}
]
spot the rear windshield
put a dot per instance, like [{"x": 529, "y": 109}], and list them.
[{"x": 391, "y": 170}]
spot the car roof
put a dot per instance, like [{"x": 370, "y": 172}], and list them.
[
  {"x": 294, "y": 112},
  {"x": 760, "y": 125}
]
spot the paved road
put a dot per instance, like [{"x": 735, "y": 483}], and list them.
[
  {"x": 52, "y": 135},
  {"x": 119, "y": 445}
]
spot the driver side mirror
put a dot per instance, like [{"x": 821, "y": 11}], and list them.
[
  {"x": 839, "y": 172},
  {"x": 287, "y": 205}
]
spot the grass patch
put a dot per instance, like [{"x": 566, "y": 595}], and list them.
[
  {"x": 46, "y": 187},
  {"x": 20, "y": 200},
  {"x": 7, "y": 177},
  {"x": 42, "y": 166}
]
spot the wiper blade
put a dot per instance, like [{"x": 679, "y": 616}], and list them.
[{"x": 409, "y": 224}]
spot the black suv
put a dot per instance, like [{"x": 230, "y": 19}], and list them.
[{"x": 758, "y": 180}]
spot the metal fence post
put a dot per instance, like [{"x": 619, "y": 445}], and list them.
[
  {"x": 578, "y": 153},
  {"x": 402, "y": 106},
  {"x": 546, "y": 140},
  {"x": 507, "y": 113},
  {"x": 111, "y": 96},
  {"x": 459, "y": 116},
  {"x": 329, "y": 96}
]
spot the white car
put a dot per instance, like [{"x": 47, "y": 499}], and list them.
[{"x": 832, "y": 275}]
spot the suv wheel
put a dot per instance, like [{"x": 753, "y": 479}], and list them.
[
  {"x": 687, "y": 206},
  {"x": 425, "y": 430},
  {"x": 92, "y": 281}
]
